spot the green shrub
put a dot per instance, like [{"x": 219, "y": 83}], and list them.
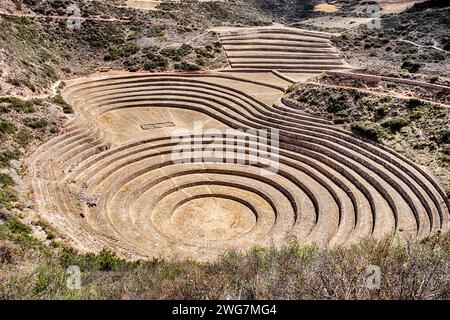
[
  {"x": 155, "y": 61},
  {"x": 58, "y": 99},
  {"x": 7, "y": 196},
  {"x": 185, "y": 49},
  {"x": 204, "y": 53},
  {"x": 381, "y": 111},
  {"x": 17, "y": 226},
  {"x": 49, "y": 71},
  {"x": 446, "y": 149},
  {"x": 433, "y": 79},
  {"x": 368, "y": 129},
  {"x": 444, "y": 137},
  {"x": 338, "y": 104},
  {"x": 122, "y": 52},
  {"x": 411, "y": 66},
  {"x": 6, "y": 180},
  {"x": 24, "y": 137},
  {"x": 6, "y": 127},
  {"x": 185, "y": 66},
  {"x": 157, "y": 31},
  {"x": 8, "y": 155},
  {"x": 291, "y": 88},
  {"x": 414, "y": 103},
  {"x": 395, "y": 123},
  {"x": 416, "y": 115},
  {"x": 35, "y": 123},
  {"x": 424, "y": 144},
  {"x": 13, "y": 103}
]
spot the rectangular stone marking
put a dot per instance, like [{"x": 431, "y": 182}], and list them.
[{"x": 157, "y": 125}]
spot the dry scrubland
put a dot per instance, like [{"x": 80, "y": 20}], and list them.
[
  {"x": 355, "y": 187},
  {"x": 412, "y": 271}
]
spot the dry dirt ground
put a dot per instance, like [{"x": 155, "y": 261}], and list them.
[
  {"x": 396, "y": 6},
  {"x": 132, "y": 172},
  {"x": 150, "y": 4}
]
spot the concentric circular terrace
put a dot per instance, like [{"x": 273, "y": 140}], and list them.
[{"x": 110, "y": 178}]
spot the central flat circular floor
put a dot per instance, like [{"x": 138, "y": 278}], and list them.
[{"x": 213, "y": 218}]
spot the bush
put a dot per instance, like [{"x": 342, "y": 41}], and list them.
[
  {"x": 414, "y": 103},
  {"x": 203, "y": 53},
  {"x": 411, "y": 66},
  {"x": 395, "y": 123},
  {"x": 416, "y": 115},
  {"x": 157, "y": 31},
  {"x": 368, "y": 129},
  {"x": 338, "y": 104},
  {"x": 50, "y": 72},
  {"x": 13, "y": 103},
  {"x": 122, "y": 52},
  {"x": 185, "y": 66},
  {"x": 433, "y": 79},
  {"x": 444, "y": 137},
  {"x": 8, "y": 155},
  {"x": 7, "y": 196},
  {"x": 58, "y": 99},
  {"x": 17, "y": 227},
  {"x": 155, "y": 61},
  {"x": 381, "y": 111},
  {"x": 6, "y": 180},
  {"x": 24, "y": 137},
  {"x": 6, "y": 127},
  {"x": 35, "y": 123}
]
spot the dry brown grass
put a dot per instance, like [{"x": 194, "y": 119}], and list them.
[{"x": 411, "y": 271}]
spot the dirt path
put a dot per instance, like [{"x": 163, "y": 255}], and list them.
[
  {"x": 422, "y": 46},
  {"x": 29, "y": 15}
]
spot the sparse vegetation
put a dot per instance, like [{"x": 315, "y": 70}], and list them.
[
  {"x": 395, "y": 123},
  {"x": 301, "y": 272},
  {"x": 367, "y": 129},
  {"x": 58, "y": 99}
]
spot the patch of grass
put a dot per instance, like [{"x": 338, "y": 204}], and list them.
[
  {"x": 58, "y": 99},
  {"x": 6, "y": 127},
  {"x": 116, "y": 53},
  {"x": 157, "y": 31},
  {"x": 186, "y": 66},
  {"x": 17, "y": 226},
  {"x": 8, "y": 155},
  {"x": 13, "y": 103},
  {"x": 414, "y": 103},
  {"x": 411, "y": 66},
  {"x": 49, "y": 71},
  {"x": 395, "y": 123},
  {"x": 368, "y": 129},
  {"x": 155, "y": 61},
  {"x": 6, "y": 180},
  {"x": 444, "y": 137},
  {"x": 7, "y": 196},
  {"x": 35, "y": 123},
  {"x": 416, "y": 115},
  {"x": 203, "y": 53},
  {"x": 24, "y": 137}
]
